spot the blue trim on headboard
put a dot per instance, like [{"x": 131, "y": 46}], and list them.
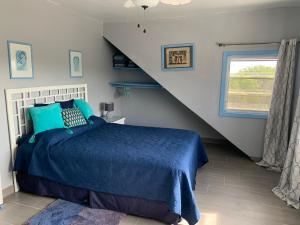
[{"x": 223, "y": 93}]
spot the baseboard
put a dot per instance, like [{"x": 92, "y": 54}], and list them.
[
  {"x": 215, "y": 141},
  {"x": 256, "y": 159},
  {"x": 8, "y": 191}
]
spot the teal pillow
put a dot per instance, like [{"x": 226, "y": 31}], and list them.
[
  {"x": 46, "y": 118},
  {"x": 84, "y": 107}
]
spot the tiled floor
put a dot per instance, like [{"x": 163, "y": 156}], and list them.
[{"x": 231, "y": 190}]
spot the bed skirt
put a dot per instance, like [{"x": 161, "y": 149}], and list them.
[{"x": 133, "y": 206}]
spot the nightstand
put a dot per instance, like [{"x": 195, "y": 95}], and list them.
[{"x": 115, "y": 119}]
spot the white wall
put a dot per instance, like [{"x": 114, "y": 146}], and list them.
[
  {"x": 199, "y": 90},
  {"x": 52, "y": 32}
]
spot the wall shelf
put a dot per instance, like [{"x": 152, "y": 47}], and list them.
[
  {"x": 127, "y": 68},
  {"x": 142, "y": 85},
  {"x": 122, "y": 63}
]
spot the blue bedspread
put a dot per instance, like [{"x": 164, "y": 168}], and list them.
[{"x": 151, "y": 163}]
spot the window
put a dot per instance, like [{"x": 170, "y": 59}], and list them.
[{"x": 247, "y": 83}]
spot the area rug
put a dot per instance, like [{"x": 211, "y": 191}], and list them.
[{"x": 63, "y": 212}]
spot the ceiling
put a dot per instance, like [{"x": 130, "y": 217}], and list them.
[{"x": 114, "y": 10}]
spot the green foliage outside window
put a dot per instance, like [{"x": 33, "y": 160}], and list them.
[
  {"x": 257, "y": 78},
  {"x": 251, "y": 88}
]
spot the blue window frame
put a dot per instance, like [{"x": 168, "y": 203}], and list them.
[{"x": 246, "y": 83}]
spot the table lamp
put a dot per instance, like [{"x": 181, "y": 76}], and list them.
[{"x": 109, "y": 107}]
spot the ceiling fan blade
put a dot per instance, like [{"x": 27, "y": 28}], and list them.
[{"x": 129, "y": 4}]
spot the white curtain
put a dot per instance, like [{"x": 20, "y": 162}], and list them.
[
  {"x": 278, "y": 123},
  {"x": 288, "y": 188}
]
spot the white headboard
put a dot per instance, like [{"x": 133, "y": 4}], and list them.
[{"x": 19, "y": 100}]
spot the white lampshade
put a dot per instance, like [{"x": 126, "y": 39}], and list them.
[
  {"x": 176, "y": 2},
  {"x": 149, "y": 3}
]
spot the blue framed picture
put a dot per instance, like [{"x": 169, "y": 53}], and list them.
[
  {"x": 178, "y": 57},
  {"x": 20, "y": 60},
  {"x": 76, "y": 70}
]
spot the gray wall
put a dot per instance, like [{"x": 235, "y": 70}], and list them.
[
  {"x": 52, "y": 33},
  {"x": 199, "y": 90},
  {"x": 158, "y": 108}
]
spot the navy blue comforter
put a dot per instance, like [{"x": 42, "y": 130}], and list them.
[{"x": 151, "y": 163}]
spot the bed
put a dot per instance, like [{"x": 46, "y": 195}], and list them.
[{"x": 143, "y": 171}]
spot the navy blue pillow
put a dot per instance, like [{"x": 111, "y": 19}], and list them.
[
  {"x": 67, "y": 104},
  {"x": 40, "y": 105},
  {"x": 64, "y": 105}
]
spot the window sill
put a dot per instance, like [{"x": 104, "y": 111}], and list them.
[{"x": 258, "y": 115}]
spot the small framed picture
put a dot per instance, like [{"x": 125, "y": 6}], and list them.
[
  {"x": 178, "y": 57},
  {"x": 76, "y": 69},
  {"x": 20, "y": 60}
]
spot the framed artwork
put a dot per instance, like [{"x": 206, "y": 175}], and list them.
[
  {"x": 76, "y": 69},
  {"x": 178, "y": 57},
  {"x": 20, "y": 60}
]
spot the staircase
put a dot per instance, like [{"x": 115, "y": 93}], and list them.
[{"x": 197, "y": 90}]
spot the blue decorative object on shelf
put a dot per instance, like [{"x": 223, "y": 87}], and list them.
[
  {"x": 122, "y": 61},
  {"x": 127, "y": 68},
  {"x": 119, "y": 60}
]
